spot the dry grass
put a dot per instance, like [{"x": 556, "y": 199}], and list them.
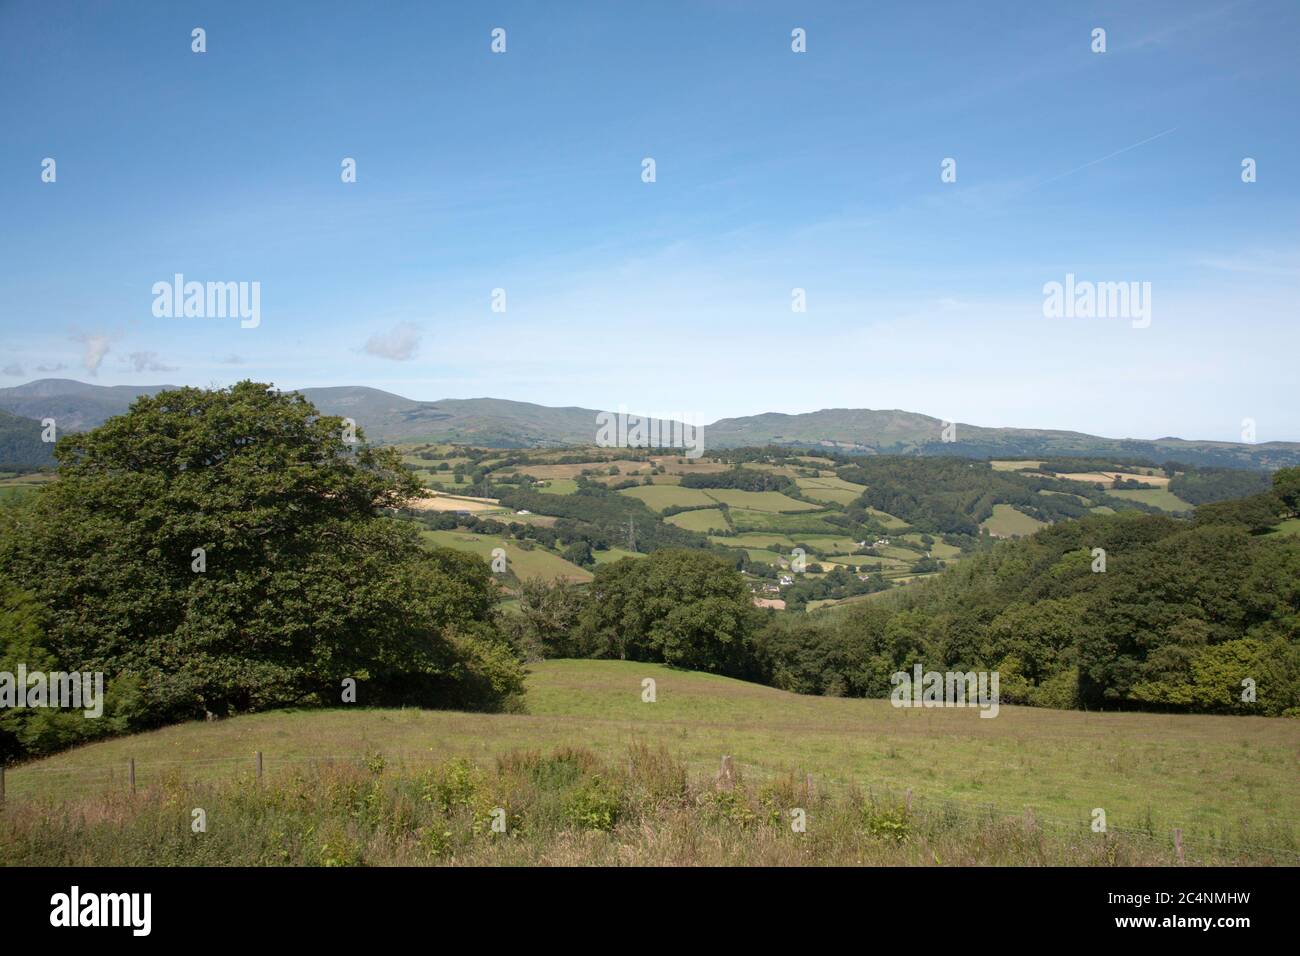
[
  {"x": 565, "y": 808},
  {"x": 441, "y": 502}
]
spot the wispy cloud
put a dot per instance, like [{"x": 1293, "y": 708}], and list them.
[
  {"x": 97, "y": 347},
  {"x": 399, "y": 343},
  {"x": 147, "y": 362}
]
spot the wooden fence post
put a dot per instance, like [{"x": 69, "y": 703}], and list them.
[
  {"x": 909, "y": 801},
  {"x": 259, "y": 768},
  {"x": 1178, "y": 843},
  {"x": 726, "y": 778},
  {"x": 131, "y": 772}
]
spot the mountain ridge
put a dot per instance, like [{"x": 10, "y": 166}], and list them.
[{"x": 387, "y": 418}]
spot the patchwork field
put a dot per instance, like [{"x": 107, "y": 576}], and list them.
[
  {"x": 766, "y": 521},
  {"x": 615, "y": 554},
  {"x": 1156, "y": 497},
  {"x": 1108, "y": 477},
  {"x": 765, "y": 525},
  {"x": 888, "y": 520},
  {"x": 830, "y": 489},
  {"x": 660, "y": 497},
  {"x": 1008, "y": 522},
  {"x": 442, "y": 502},
  {"x": 545, "y": 471},
  {"x": 559, "y": 486},
  {"x": 704, "y": 520},
  {"x": 523, "y": 563},
  {"x": 772, "y": 501}
]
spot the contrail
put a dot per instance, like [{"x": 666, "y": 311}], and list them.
[{"x": 1142, "y": 142}]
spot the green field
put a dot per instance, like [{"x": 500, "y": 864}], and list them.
[
  {"x": 660, "y": 497},
  {"x": 770, "y": 542},
  {"x": 944, "y": 551},
  {"x": 772, "y": 501},
  {"x": 536, "y": 563},
  {"x": 859, "y": 560},
  {"x": 1290, "y": 526},
  {"x": 703, "y": 520},
  {"x": 1222, "y": 780},
  {"x": 832, "y": 489},
  {"x": 559, "y": 486},
  {"x": 445, "y": 480},
  {"x": 15, "y": 488},
  {"x": 829, "y": 543},
  {"x": 765, "y": 522},
  {"x": 938, "y": 548},
  {"x": 1008, "y": 522},
  {"x": 1161, "y": 498},
  {"x": 888, "y": 520},
  {"x": 615, "y": 554}
]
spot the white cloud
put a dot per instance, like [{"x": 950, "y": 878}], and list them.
[
  {"x": 147, "y": 362},
  {"x": 399, "y": 343},
  {"x": 97, "y": 347}
]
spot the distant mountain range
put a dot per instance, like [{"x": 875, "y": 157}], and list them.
[{"x": 498, "y": 423}]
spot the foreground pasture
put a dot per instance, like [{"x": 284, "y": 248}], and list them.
[{"x": 623, "y": 780}]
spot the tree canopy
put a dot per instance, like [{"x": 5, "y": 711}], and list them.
[{"x": 227, "y": 550}]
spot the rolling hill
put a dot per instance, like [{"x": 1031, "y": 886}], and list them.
[
  {"x": 500, "y": 423},
  {"x": 1213, "y": 777}
]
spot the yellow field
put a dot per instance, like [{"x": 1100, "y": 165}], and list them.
[
  {"x": 1108, "y": 477},
  {"x": 439, "y": 502}
]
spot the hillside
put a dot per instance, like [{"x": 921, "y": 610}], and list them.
[
  {"x": 20, "y": 443},
  {"x": 490, "y": 422},
  {"x": 388, "y": 418},
  {"x": 1214, "y": 776},
  {"x": 75, "y": 406},
  {"x": 864, "y": 431}
]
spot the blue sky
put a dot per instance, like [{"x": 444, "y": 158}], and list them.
[{"x": 775, "y": 170}]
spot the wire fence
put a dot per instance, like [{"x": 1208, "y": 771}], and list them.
[{"x": 80, "y": 781}]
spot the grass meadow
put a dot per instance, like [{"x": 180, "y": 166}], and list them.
[
  {"x": 536, "y": 562},
  {"x": 1009, "y": 522},
  {"x": 588, "y": 772}
]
